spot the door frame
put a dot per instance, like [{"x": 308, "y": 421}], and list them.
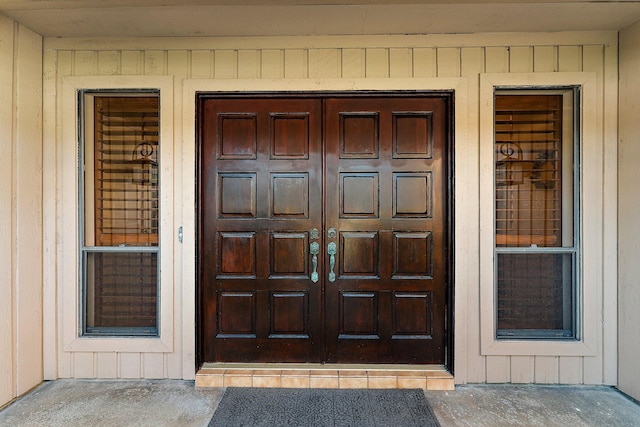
[{"x": 456, "y": 90}]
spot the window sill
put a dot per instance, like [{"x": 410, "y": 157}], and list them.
[
  {"x": 494, "y": 347},
  {"x": 120, "y": 344}
]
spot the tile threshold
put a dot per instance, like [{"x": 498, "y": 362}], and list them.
[{"x": 308, "y": 375}]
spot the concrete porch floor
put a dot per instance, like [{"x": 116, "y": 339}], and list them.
[{"x": 178, "y": 403}]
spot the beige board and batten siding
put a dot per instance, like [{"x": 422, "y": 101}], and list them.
[
  {"x": 21, "y": 238},
  {"x": 343, "y": 63},
  {"x": 629, "y": 214}
]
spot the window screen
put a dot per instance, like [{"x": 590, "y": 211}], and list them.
[
  {"x": 121, "y": 214},
  {"x": 535, "y": 214}
]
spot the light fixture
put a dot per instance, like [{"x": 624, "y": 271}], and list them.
[{"x": 509, "y": 165}]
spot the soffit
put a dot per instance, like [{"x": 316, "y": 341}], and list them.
[{"x": 176, "y": 18}]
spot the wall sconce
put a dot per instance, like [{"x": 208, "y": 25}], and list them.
[
  {"x": 144, "y": 170},
  {"x": 509, "y": 166}
]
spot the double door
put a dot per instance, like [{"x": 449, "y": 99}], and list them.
[{"x": 322, "y": 226}]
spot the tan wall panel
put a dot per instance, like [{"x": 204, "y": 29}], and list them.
[
  {"x": 84, "y": 365},
  {"x": 546, "y": 369},
  {"x": 272, "y": 64},
  {"x": 400, "y": 62},
  {"x": 324, "y": 63},
  {"x": 201, "y": 64},
  {"x": 356, "y": 60},
  {"x": 226, "y": 64},
  {"x": 610, "y": 214},
  {"x": 629, "y": 212},
  {"x": 498, "y": 369},
  {"x": 130, "y": 365},
  {"x": 570, "y": 58},
  {"x": 448, "y": 62},
  {"x": 354, "y": 63},
  {"x": 109, "y": 62},
  {"x": 425, "y": 63},
  {"x": 571, "y": 370},
  {"x": 249, "y": 64},
  {"x": 377, "y": 63},
  {"x": 545, "y": 59},
  {"x": 176, "y": 365},
  {"x": 522, "y": 369},
  {"x": 28, "y": 210},
  {"x": 131, "y": 62},
  {"x": 153, "y": 365},
  {"x": 49, "y": 205},
  {"x": 155, "y": 62},
  {"x": 472, "y": 64},
  {"x": 107, "y": 365},
  {"x": 64, "y": 68},
  {"x": 7, "y": 372},
  {"x": 520, "y": 59},
  {"x": 497, "y": 59},
  {"x": 296, "y": 63},
  {"x": 86, "y": 63}
]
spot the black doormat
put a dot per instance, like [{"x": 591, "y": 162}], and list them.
[{"x": 323, "y": 407}]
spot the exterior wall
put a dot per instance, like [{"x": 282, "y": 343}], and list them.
[
  {"x": 338, "y": 63},
  {"x": 20, "y": 210},
  {"x": 629, "y": 212}
]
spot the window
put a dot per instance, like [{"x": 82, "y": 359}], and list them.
[
  {"x": 120, "y": 213},
  {"x": 536, "y": 212}
]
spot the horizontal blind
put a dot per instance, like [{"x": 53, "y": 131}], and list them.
[
  {"x": 126, "y": 171},
  {"x": 528, "y": 156}
]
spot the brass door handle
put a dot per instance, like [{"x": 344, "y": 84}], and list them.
[
  {"x": 331, "y": 250},
  {"x": 314, "y": 249}
]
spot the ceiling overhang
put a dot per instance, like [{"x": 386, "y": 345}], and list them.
[{"x": 189, "y": 18}]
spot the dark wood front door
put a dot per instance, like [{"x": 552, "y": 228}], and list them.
[{"x": 323, "y": 229}]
